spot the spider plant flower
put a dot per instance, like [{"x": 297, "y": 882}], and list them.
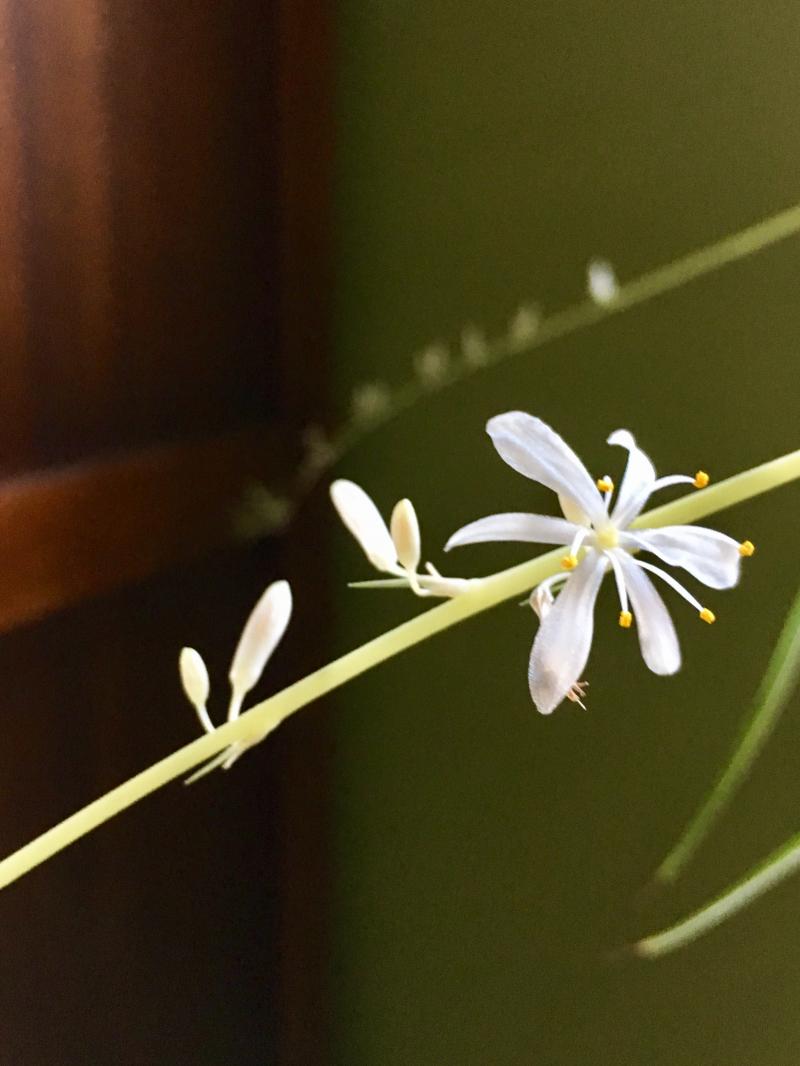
[
  {"x": 599, "y": 539},
  {"x": 260, "y": 637},
  {"x": 395, "y": 549}
]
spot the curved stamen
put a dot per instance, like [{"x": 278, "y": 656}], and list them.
[
  {"x": 606, "y": 486},
  {"x": 704, "y": 612},
  {"x": 700, "y": 480},
  {"x": 570, "y": 561},
  {"x": 625, "y": 616},
  {"x": 634, "y": 507}
]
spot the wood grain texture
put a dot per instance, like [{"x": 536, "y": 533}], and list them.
[
  {"x": 305, "y": 136},
  {"x": 164, "y": 305},
  {"x": 67, "y": 534}
]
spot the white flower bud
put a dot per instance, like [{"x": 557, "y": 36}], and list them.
[
  {"x": 371, "y": 401},
  {"x": 364, "y": 521},
  {"x": 194, "y": 678},
  {"x": 525, "y": 324},
  {"x": 405, "y": 534},
  {"x": 262, "y": 632},
  {"x": 432, "y": 365},
  {"x": 601, "y": 281},
  {"x": 474, "y": 347}
]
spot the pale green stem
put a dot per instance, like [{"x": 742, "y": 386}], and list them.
[
  {"x": 780, "y": 865},
  {"x": 775, "y": 689},
  {"x": 573, "y": 319},
  {"x": 263, "y": 718}
]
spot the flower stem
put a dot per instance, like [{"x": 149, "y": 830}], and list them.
[
  {"x": 780, "y": 865},
  {"x": 570, "y": 320},
  {"x": 266, "y": 716},
  {"x": 775, "y": 689}
]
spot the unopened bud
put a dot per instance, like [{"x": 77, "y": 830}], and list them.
[
  {"x": 194, "y": 677},
  {"x": 262, "y": 631},
  {"x": 601, "y": 281},
  {"x": 405, "y": 534},
  {"x": 364, "y": 521}
]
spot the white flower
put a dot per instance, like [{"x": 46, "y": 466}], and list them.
[
  {"x": 397, "y": 552},
  {"x": 604, "y": 537},
  {"x": 260, "y": 637}
]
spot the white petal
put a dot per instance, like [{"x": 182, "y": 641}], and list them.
[
  {"x": 711, "y": 557},
  {"x": 572, "y": 512},
  {"x": 657, "y": 637},
  {"x": 533, "y": 528},
  {"x": 405, "y": 534},
  {"x": 364, "y": 521},
  {"x": 562, "y": 644},
  {"x": 637, "y": 482},
  {"x": 262, "y": 631},
  {"x": 533, "y": 449}
]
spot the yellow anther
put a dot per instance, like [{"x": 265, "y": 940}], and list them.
[
  {"x": 605, "y": 484},
  {"x": 701, "y": 479},
  {"x": 746, "y": 548},
  {"x": 625, "y": 619},
  {"x": 569, "y": 562},
  {"x": 708, "y": 616}
]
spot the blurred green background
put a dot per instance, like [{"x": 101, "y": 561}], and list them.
[{"x": 488, "y": 859}]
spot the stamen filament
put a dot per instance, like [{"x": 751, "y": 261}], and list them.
[
  {"x": 670, "y": 580},
  {"x": 622, "y": 592},
  {"x": 672, "y": 479},
  {"x": 577, "y": 540}
]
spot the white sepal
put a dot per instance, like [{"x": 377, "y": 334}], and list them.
[
  {"x": 364, "y": 521},
  {"x": 637, "y": 482},
  {"x": 262, "y": 631},
  {"x": 712, "y": 557},
  {"x": 657, "y": 638},
  {"x": 405, "y": 535},
  {"x": 562, "y": 643},
  {"x": 536, "y": 451},
  {"x": 534, "y": 528}
]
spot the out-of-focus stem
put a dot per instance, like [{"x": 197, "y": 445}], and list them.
[
  {"x": 780, "y": 865},
  {"x": 775, "y": 689}
]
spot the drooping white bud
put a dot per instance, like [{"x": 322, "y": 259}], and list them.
[
  {"x": 364, "y": 521},
  {"x": 405, "y": 534},
  {"x": 262, "y": 632},
  {"x": 601, "y": 281},
  {"x": 196, "y": 685}
]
